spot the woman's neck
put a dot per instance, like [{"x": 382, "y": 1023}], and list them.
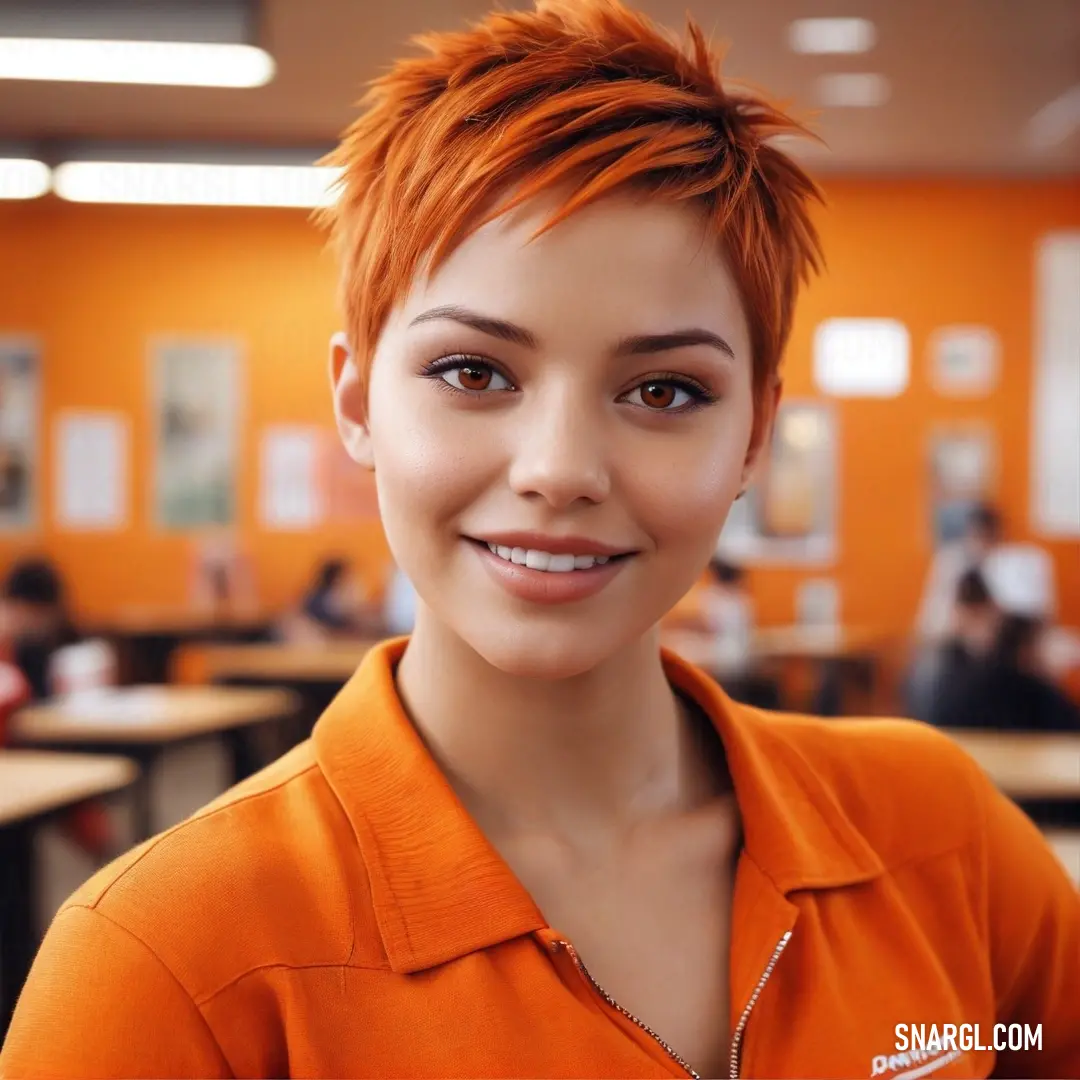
[{"x": 586, "y": 759}]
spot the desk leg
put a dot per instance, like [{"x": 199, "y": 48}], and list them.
[
  {"x": 142, "y": 793},
  {"x": 19, "y": 933},
  {"x": 243, "y": 758}
]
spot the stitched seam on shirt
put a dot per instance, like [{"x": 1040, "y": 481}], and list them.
[
  {"x": 168, "y": 971},
  {"x": 190, "y": 822},
  {"x": 372, "y": 833},
  {"x": 888, "y": 869},
  {"x": 206, "y": 999}
]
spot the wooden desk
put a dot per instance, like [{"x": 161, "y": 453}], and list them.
[
  {"x": 145, "y": 637},
  {"x": 142, "y": 722},
  {"x": 176, "y": 621},
  {"x": 33, "y": 786},
  {"x": 784, "y": 643},
  {"x": 819, "y": 642},
  {"x": 1028, "y": 764},
  {"x": 34, "y": 783},
  {"x": 841, "y": 657},
  {"x": 1066, "y": 845},
  {"x": 332, "y": 662}
]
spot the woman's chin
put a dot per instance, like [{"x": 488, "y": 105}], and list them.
[{"x": 549, "y": 656}]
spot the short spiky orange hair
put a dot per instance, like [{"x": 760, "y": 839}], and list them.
[{"x": 580, "y": 92}]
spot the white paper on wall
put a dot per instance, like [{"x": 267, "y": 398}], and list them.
[
  {"x": 290, "y": 492},
  {"x": 91, "y": 464},
  {"x": 1055, "y": 405}
]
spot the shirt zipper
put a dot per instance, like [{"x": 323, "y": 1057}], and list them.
[
  {"x": 740, "y": 1027},
  {"x": 572, "y": 952}
]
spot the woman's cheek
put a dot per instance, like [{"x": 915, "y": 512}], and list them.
[{"x": 692, "y": 493}]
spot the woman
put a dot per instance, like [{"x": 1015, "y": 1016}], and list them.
[
  {"x": 527, "y": 800},
  {"x": 1006, "y": 688},
  {"x": 333, "y": 606}
]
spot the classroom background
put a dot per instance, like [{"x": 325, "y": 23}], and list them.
[{"x": 192, "y": 566}]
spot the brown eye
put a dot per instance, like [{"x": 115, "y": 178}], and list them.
[
  {"x": 658, "y": 395},
  {"x": 475, "y": 378}
]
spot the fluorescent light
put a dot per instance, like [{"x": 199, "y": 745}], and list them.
[
  {"x": 851, "y": 90},
  {"x": 1056, "y": 121},
  {"x": 23, "y": 178},
  {"x": 193, "y": 184},
  {"x": 831, "y": 35},
  {"x": 159, "y": 63}
]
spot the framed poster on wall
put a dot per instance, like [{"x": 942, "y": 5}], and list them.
[
  {"x": 962, "y": 467},
  {"x": 20, "y": 394},
  {"x": 789, "y": 513},
  {"x": 196, "y": 403}
]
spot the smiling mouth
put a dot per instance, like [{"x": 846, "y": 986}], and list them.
[{"x": 549, "y": 562}]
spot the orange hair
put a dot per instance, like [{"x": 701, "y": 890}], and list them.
[{"x": 585, "y": 91}]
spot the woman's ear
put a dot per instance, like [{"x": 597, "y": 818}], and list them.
[
  {"x": 761, "y": 434},
  {"x": 350, "y": 408}
]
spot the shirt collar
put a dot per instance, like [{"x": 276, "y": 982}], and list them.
[{"x": 440, "y": 890}]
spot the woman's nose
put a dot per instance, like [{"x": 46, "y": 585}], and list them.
[{"x": 559, "y": 451}]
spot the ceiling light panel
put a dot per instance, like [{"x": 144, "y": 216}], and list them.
[
  {"x": 149, "y": 42},
  {"x": 852, "y": 90},
  {"x": 831, "y": 36},
  {"x": 23, "y": 178}
]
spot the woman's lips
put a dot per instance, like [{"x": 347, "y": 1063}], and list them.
[{"x": 548, "y": 586}]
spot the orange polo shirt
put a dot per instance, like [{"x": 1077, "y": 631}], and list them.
[{"x": 340, "y": 915}]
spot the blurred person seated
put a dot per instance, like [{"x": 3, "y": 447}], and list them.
[
  {"x": 34, "y": 620},
  {"x": 980, "y": 548},
  {"x": 399, "y": 605},
  {"x": 951, "y": 561},
  {"x": 35, "y": 627},
  {"x": 727, "y": 612},
  {"x": 974, "y": 622},
  {"x": 335, "y": 605},
  {"x": 994, "y": 674},
  {"x": 1008, "y": 688}
]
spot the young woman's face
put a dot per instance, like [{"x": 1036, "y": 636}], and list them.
[{"x": 586, "y": 394}]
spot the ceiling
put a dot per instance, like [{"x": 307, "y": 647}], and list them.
[{"x": 967, "y": 76}]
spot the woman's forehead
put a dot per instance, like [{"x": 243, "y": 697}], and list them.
[{"x": 622, "y": 260}]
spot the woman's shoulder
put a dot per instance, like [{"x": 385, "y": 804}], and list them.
[
  {"x": 910, "y": 789},
  {"x": 267, "y": 874}
]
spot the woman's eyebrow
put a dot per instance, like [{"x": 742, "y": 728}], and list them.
[
  {"x": 486, "y": 324},
  {"x": 642, "y": 344},
  {"x": 636, "y": 345}
]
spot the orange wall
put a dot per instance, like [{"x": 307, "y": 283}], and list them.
[{"x": 94, "y": 282}]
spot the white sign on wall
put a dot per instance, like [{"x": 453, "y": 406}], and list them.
[
  {"x": 964, "y": 360},
  {"x": 861, "y": 358}
]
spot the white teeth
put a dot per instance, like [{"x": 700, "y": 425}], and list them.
[
  {"x": 544, "y": 560},
  {"x": 537, "y": 560}
]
